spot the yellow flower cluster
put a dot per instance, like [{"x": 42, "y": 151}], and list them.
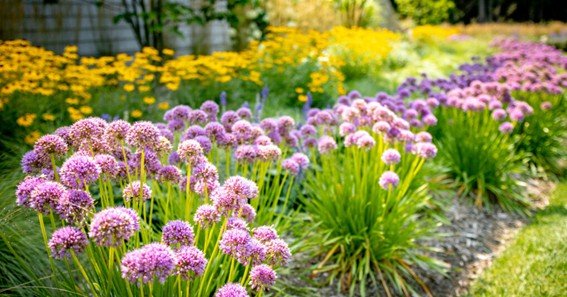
[
  {"x": 526, "y": 29},
  {"x": 429, "y": 33},
  {"x": 312, "y": 61}
]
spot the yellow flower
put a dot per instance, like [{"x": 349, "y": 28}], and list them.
[
  {"x": 168, "y": 52},
  {"x": 144, "y": 88},
  {"x": 26, "y": 120},
  {"x": 149, "y": 100},
  {"x": 72, "y": 101},
  {"x": 136, "y": 113},
  {"x": 86, "y": 109},
  {"x": 32, "y": 137},
  {"x": 129, "y": 87},
  {"x": 302, "y": 98},
  {"x": 74, "y": 114},
  {"x": 163, "y": 105},
  {"x": 48, "y": 117},
  {"x": 299, "y": 90}
]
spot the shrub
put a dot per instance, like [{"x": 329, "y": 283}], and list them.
[{"x": 365, "y": 200}]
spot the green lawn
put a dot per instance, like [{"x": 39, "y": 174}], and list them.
[{"x": 536, "y": 263}]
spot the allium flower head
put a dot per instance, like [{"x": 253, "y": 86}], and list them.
[
  {"x": 268, "y": 152},
  {"x": 191, "y": 262},
  {"x": 79, "y": 171},
  {"x": 265, "y": 233},
  {"x": 25, "y": 188},
  {"x": 381, "y": 127},
  {"x": 116, "y": 131},
  {"x": 143, "y": 135},
  {"x": 233, "y": 243},
  {"x": 425, "y": 150},
  {"x": 291, "y": 166},
  {"x": 247, "y": 212},
  {"x": 132, "y": 191},
  {"x": 546, "y": 105},
  {"x": 45, "y": 196},
  {"x": 188, "y": 150},
  {"x": 506, "y": 128},
  {"x": 206, "y": 215},
  {"x": 111, "y": 226},
  {"x": 205, "y": 143},
  {"x": 178, "y": 233},
  {"x": 423, "y": 137},
  {"x": 197, "y": 117},
  {"x": 74, "y": 205},
  {"x": 391, "y": 157},
  {"x": 301, "y": 159},
  {"x": 366, "y": 142},
  {"x": 237, "y": 223},
  {"x": 262, "y": 277},
  {"x": 210, "y": 108},
  {"x": 151, "y": 261},
  {"x": 278, "y": 253},
  {"x": 108, "y": 165},
  {"x": 241, "y": 187},
  {"x": 87, "y": 130},
  {"x": 232, "y": 290},
  {"x": 326, "y": 144},
  {"x": 66, "y": 239},
  {"x": 51, "y": 145},
  {"x": 388, "y": 178},
  {"x": 169, "y": 173},
  {"x": 33, "y": 162},
  {"x": 256, "y": 253}
]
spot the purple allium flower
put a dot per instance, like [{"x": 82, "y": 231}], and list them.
[
  {"x": 65, "y": 239},
  {"x": 143, "y": 135},
  {"x": 265, "y": 233},
  {"x": 430, "y": 120},
  {"x": 191, "y": 262},
  {"x": 79, "y": 171},
  {"x": 228, "y": 119},
  {"x": 64, "y": 132},
  {"x": 326, "y": 144},
  {"x": 108, "y": 165},
  {"x": 256, "y": 253},
  {"x": 308, "y": 130},
  {"x": 173, "y": 158},
  {"x": 546, "y": 105},
  {"x": 236, "y": 223},
  {"x": 301, "y": 159},
  {"x": 291, "y": 166},
  {"x": 391, "y": 157},
  {"x": 244, "y": 113},
  {"x": 177, "y": 233},
  {"x": 163, "y": 146},
  {"x": 205, "y": 143},
  {"x": 233, "y": 243},
  {"x": 25, "y": 188},
  {"x": 246, "y": 153},
  {"x": 87, "y": 131},
  {"x": 423, "y": 137},
  {"x": 154, "y": 260},
  {"x": 211, "y": 109},
  {"x": 310, "y": 142},
  {"x": 197, "y": 117},
  {"x": 241, "y": 187},
  {"x": 262, "y": 277},
  {"x": 285, "y": 124},
  {"x": 193, "y": 132},
  {"x": 206, "y": 215},
  {"x": 175, "y": 125},
  {"x": 366, "y": 141},
  {"x": 278, "y": 253},
  {"x": 179, "y": 112},
  {"x": 381, "y": 127},
  {"x": 425, "y": 150},
  {"x": 188, "y": 150},
  {"x": 516, "y": 115},
  {"x": 247, "y": 212},
  {"x": 205, "y": 178},
  {"x": 33, "y": 162},
  {"x": 268, "y": 152},
  {"x": 132, "y": 191},
  {"x": 232, "y": 290},
  {"x": 225, "y": 202},
  {"x": 51, "y": 145},
  {"x": 506, "y": 128},
  {"x": 111, "y": 226},
  {"x": 45, "y": 196},
  {"x": 116, "y": 131},
  {"x": 388, "y": 178},
  {"x": 499, "y": 114},
  {"x": 74, "y": 205},
  {"x": 169, "y": 173},
  {"x": 263, "y": 140}
]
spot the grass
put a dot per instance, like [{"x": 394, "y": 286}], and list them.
[{"x": 536, "y": 263}]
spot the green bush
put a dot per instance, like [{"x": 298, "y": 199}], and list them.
[{"x": 426, "y": 11}]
